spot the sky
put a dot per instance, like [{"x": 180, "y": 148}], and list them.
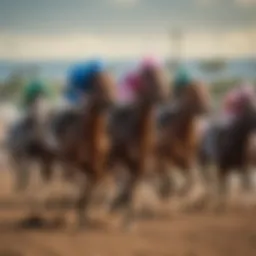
[{"x": 68, "y": 29}]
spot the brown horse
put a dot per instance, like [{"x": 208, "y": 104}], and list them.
[
  {"x": 179, "y": 140},
  {"x": 134, "y": 133},
  {"x": 83, "y": 138}
]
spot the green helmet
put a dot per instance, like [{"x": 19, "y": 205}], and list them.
[
  {"x": 181, "y": 80},
  {"x": 33, "y": 90}
]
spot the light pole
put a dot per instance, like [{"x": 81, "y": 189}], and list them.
[{"x": 176, "y": 37}]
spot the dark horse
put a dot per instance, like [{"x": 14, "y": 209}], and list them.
[
  {"x": 26, "y": 144},
  {"x": 134, "y": 134},
  {"x": 230, "y": 148}
]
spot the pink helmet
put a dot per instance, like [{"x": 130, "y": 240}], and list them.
[
  {"x": 132, "y": 83},
  {"x": 230, "y": 102},
  {"x": 129, "y": 87},
  {"x": 237, "y": 98},
  {"x": 150, "y": 62},
  {"x": 132, "y": 80},
  {"x": 246, "y": 92}
]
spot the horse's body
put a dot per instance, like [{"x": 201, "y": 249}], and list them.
[
  {"x": 26, "y": 144},
  {"x": 229, "y": 144},
  {"x": 134, "y": 134},
  {"x": 230, "y": 148},
  {"x": 179, "y": 139},
  {"x": 77, "y": 136},
  {"x": 82, "y": 138}
]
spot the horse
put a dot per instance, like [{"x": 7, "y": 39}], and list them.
[
  {"x": 179, "y": 137},
  {"x": 25, "y": 143},
  {"x": 133, "y": 130},
  {"x": 82, "y": 137},
  {"x": 231, "y": 145}
]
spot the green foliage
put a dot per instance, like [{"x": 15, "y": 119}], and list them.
[
  {"x": 11, "y": 89},
  {"x": 213, "y": 66},
  {"x": 222, "y": 86}
]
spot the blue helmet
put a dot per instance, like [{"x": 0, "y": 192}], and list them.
[{"x": 80, "y": 77}]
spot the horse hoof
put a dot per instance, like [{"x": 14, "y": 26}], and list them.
[
  {"x": 33, "y": 221},
  {"x": 129, "y": 226},
  {"x": 60, "y": 222},
  {"x": 220, "y": 208},
  {"x": 78, "y": 227}
]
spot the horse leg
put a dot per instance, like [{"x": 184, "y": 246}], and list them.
[
  {"x": 121, "y": 198},
  {"x": 85, "y": 193},
  {"x": 130, "y": 196},
  {"x": 205, "y": 173},
  {"x": 47, "y": 169},
  {"x": 21, "y": 169},
  {"x": 130, "y": 193},
  {"x": 189, "y": 181},
  {"x": 166, "y": 182},
  {"x": 246, "y": 179},
  {"x": 222, "y": 180}
]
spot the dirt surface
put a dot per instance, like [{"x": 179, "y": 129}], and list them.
[
  {"x": 188, "y": 235},
  {"x": 180, "y": 234}
]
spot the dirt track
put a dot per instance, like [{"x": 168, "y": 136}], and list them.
[
  {"x": 187, "y": 234},
  {"x": 198, "y": 234}
]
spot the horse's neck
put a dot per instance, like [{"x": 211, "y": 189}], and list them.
[
  {"x": 37, "y": 120},
  {"x": 146, "y": 128},
  {"x": 95, "y": 135},
  {"x": 96, "y": 123},
  {"x": 186, "y": 122},
  {"x": 242, "y": 128}
]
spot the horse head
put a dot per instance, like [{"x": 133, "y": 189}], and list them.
[
  {"x": 151, "y": 82},
  {"x": 103, "y": 92},
  {"x": 240, "y": 102},
  {"x": 90, "y": 82},
  {"x": 195, "y": 98}
]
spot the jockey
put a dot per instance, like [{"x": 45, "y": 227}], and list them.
[
  {"x": 33, "y": 90},
  {"x": 131, "y": 83},
  {"x": 35, "y": 93},
  {"x": 80, "y": 80},
  {"x": 181, "y": 80}
]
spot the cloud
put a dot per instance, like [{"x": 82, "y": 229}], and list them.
[
  {"x": 125, "y": 3},
  {"x": 131, "y": 16},
  {"x": 246, "y": 3},
  {"x": 115, "y": 46},
  {"x": 206, "y": 2}
]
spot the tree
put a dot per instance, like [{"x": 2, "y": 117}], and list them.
[
  {"x": 12, "y": 87},
  {"x": 213, "y": 66}
]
